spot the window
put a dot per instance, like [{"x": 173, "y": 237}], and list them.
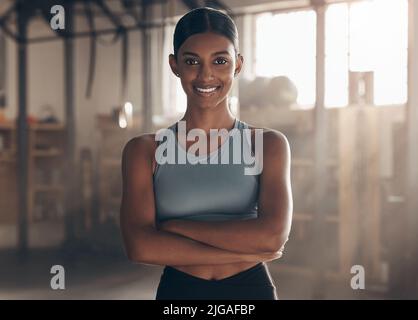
[
  {"x": 286, "y": 46},
  {"x": 368, "y": 36}
]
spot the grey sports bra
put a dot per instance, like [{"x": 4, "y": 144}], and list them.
[{"x": 206, "y": 191}]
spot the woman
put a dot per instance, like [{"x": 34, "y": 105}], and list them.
[{"x": 212, "y": 226}]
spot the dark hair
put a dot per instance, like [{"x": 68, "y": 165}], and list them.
[{"x": 203, "y": 20}]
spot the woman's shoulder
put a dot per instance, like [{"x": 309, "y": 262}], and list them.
[
  {"x": 142, "y": 145},
  {"x": 270, "y": 136}
]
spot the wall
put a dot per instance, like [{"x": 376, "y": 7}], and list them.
[{"x": 46, "y": 79}]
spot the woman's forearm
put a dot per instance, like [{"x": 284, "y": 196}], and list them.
[
  {"x": 157, "y": 247},
  {"x": 245, "y": 236}
]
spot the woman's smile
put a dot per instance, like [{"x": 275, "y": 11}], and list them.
[{"x": 206, "y": 91}]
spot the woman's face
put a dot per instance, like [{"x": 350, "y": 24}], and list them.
[{"x": 206, "y": 64}]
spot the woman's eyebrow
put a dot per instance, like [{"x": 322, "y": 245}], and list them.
[
  {"x": 188, "y": 53},
  {"x": 221, "y": 52}
]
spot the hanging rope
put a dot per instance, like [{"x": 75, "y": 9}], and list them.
[
  {"x": 3, "y": 20},
  {"x": 93, "y": 46}
]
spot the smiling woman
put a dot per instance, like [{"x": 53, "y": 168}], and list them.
[{"x": 212, "y": 226}]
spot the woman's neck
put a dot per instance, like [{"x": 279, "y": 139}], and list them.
[{"x": 216, "y": 118}]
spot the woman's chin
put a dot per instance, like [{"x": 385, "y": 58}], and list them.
[{"x": 206, "y": 103}]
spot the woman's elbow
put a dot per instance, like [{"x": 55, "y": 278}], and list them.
[
  {"x": 141, "y": 256},
  {"x": 136, "y": 249},
  {"x": 133, "y": 253},
  {"x": 275, "y": 241},
  {"x": 134, "y": 256}
]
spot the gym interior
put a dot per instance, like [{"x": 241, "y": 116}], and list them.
[{"x": 78, "y": 79}]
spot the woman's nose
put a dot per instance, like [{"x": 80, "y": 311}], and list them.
[{"x": 205, "y": 72}]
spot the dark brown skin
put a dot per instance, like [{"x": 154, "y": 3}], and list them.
[{"x": 209, "y": 250}]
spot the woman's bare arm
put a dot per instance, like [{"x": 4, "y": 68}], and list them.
[
  {"x": 270, "y": 231},
  {"x": 143, "y": 242}
]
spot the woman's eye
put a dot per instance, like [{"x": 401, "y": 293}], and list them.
[
  {"x": 221, "y": 61},
  {"x": 191, "y": 61}
]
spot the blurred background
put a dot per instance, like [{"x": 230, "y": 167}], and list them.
[{"x": 339, "y": 78}]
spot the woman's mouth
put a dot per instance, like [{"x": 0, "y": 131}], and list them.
[{"x": 206, "y": 91}]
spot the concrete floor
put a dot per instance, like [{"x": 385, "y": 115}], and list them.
[{"x": 104, "y": 276}]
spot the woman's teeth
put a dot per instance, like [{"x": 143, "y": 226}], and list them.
[{"x": 206, "y": 90}]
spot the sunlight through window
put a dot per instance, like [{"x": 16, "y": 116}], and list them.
[
  {"x": 369, "y": 36},
  {"x": 285, "y": 46}
]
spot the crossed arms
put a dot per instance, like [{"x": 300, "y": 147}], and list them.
[{"x": 185, "y": 242}]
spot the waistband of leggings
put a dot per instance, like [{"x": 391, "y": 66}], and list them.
[{"x": 180, "y": 275}]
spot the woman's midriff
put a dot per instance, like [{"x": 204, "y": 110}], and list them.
[{"x": 215, "y": 272}]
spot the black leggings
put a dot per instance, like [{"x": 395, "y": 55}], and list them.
[{"x": 254, "y": 283}]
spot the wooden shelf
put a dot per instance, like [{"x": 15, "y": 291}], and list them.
[
  {"x": 112, "y": 140},
  {"x": 47, "y": 153},
  {"x": 48, "y": 135},
  {"x": 47, "y": 126},
  {"x": 34, "y": 126}
]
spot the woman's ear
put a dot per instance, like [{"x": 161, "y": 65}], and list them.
[
  {"x": 238, "y": 66},
  {"x": 173, "y": 64}
]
